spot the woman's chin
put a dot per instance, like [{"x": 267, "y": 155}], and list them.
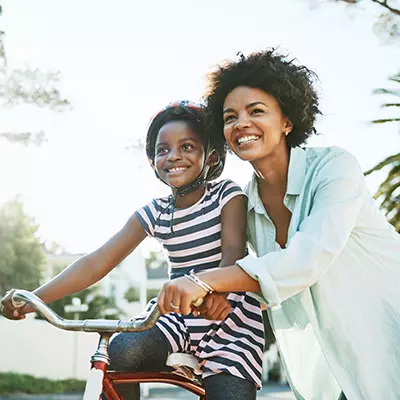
[{"x": 246, "y": 154}]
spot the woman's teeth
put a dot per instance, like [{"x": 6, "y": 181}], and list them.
[{"x": 247, "y": 139}]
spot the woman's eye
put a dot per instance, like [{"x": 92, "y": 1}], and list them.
[
  {"x": 257, "y": 111},
  {"x": 229, "y": 118}
]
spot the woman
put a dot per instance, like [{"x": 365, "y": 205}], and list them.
[{"x": 327, "y": 262}]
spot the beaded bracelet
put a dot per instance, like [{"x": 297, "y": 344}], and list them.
[{"x": 195, "y": 279}]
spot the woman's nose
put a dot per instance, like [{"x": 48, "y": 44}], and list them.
[{"x": 242, "y": 122}]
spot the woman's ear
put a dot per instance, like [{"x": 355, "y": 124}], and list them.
[{"x": 288, "y": 127}]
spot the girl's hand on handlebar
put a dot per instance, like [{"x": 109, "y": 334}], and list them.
[
  {"x": 215, "y": 307},
  {"x": 9, "y": 311},
  {"x": 179, "y": 295}
]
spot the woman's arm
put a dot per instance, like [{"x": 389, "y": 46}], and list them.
[
  {"x": 87, "y": 270},
  {"x": 339, "y": 193}
]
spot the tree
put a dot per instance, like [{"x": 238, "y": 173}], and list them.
[
  {"x": 132, "y": 294},
  {"x": 28, "y": 86},
  {"x": 22, "y": 258},
  {"x": 388, "y": 192},
  {"x": 99, "y": 306},
  {"x": 388, "y": 23}
]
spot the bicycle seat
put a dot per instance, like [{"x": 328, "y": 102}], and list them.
[{"x": 186, "y": 365}]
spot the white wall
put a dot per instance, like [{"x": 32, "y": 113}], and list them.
[{"x": 35, "y": 347}]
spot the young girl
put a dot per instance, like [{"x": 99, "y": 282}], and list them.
[{"x": 201, "y": 225}]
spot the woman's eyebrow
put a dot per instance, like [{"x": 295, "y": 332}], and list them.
[
  {"x": 255, "y": 103},
  {"x": 248, "y": 106}
]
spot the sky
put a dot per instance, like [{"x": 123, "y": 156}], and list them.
[{"x": 121, "y": 61}]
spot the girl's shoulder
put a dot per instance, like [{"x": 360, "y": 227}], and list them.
[
  {"x": 224, "y": 185},
  {"x": 223, "y": 191}
]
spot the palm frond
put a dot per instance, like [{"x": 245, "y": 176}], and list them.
[
  {"x": 395, "y": 158},
  {"x": 392, "y": 92},
  {"x": 395, "y": 78},
  {"x": 390, "y": 105},
  {"x": 385, "y": 120}
]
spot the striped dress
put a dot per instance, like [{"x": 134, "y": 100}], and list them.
[{"x": 191, "y": 238}]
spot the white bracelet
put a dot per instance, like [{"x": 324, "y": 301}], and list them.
[{"x": 195, "y": 279}]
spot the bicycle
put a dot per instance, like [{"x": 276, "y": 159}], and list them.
[{"x": 101, "y": 380}]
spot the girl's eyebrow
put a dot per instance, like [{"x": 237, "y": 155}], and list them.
[
  {"x": 247, "y": 107},
  {"x": 180, "y": 140}
]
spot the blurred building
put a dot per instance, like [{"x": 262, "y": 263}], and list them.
[{"x": 130, "y": 273}]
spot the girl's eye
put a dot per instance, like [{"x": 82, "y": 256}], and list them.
[
  {"x": 162, "y": 150},
  {"x": 187, "y": 146}
]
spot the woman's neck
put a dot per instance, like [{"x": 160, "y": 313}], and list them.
[
  {"x": 190, "y": 198},
  {"x": 272, "y": 173}
]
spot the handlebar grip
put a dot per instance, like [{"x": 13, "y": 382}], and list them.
[{"x": 17, "y": 303}]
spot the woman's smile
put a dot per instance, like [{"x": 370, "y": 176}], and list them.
[{"x": 245, "y": 140}]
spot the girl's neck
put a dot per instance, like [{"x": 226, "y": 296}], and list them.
[
  {"x": 190, "y": 198},
  {"x": 272, "y": 173}
]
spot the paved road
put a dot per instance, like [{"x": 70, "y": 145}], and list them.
[{"x": 269, "y": 392}]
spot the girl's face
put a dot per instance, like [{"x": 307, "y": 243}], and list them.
[
  {"x": 179, "y": 154},
  {"x": 254, "y": 124}
]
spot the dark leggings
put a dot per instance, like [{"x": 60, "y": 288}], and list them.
[{"x": 148, "y": 351}]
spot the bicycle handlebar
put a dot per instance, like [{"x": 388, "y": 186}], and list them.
[{"x": 20, "y": 297}]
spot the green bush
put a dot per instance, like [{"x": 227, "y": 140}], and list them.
[
  {"x": 20, "y": 383},
  {"x": 151, "y": 293}
]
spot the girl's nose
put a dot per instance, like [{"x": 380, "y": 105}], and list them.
[{"x": 174, "y": 154}]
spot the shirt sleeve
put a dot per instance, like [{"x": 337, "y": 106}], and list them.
[
  {"x": 228, "y": 191},
  {"x": 338, "y": 197},
  {"x": 147, "y": 217}
]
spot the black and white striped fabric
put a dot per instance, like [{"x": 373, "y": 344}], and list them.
[{"x": 191, "y": 238}]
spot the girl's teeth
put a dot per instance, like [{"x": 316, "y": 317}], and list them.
[{"x": 176, "y": 169}]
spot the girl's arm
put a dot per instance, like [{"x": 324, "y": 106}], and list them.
[
  {"x": 233, "y": 231},
  {"x": 230, "y": 278},
  {"x": 87, "y": 270},
  {"x": 233, "y": 247}
]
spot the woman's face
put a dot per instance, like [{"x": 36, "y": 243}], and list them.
[{"x": 254, "y": 124}]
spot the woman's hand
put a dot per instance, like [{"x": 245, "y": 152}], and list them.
[
  {"x": 215, "y": 307},
  {"x": 9, "y": 311},
  {"x": 179, "y": 295}
]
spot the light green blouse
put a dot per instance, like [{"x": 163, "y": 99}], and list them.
[{"x": 333, "y": 293}]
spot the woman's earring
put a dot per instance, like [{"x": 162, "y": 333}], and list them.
[{"x": 287, "y": 133}]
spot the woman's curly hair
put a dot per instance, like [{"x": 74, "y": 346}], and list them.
[{"x": 289, "y": 83}]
